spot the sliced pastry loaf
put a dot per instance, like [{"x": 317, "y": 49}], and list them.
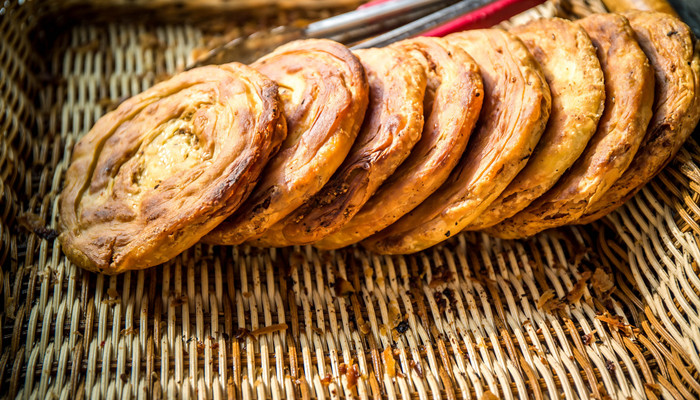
[
  {"x": 515, "y": 111},
  {"x": 571, "y": 67},
  {"x": 629, "y": 84},
  {"x": 452, "y": 103}
]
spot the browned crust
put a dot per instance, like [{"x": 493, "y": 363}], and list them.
[
  {"x": 392, "y": 126},
  {"x": 629, "y": 83},
  {"x": 673, "y": 53},
  {"x": 620, "y": 6},
  {"x": 167, "y": 166},
  {"x": 324, "y": 91},
  {"x": 514, "y": 115},
  {"x": 571, "y": 67},
  {"x": 453, "y": 100}
]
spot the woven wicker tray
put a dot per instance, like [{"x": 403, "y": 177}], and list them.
[{"x": 609, "y": 310}]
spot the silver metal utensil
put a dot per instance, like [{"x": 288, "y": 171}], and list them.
[
  {"x": 423, "y": 24},
  {"x": 352, "y": 26}
]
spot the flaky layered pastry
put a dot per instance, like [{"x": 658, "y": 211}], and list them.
[
  {"x": 168, "y": 165},
  {"x": 571, "y": 67},
  {"x": 392, "y": 126},
  {"x": 324, "y": 93},
  {"x": 629, "y": 84},
  {"x": 674, "y": 56},
  {"x": 452, "y": 103},
  {"x": 513, "y": 117}
]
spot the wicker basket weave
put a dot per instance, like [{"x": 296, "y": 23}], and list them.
[{"x": 473, "y": 318}]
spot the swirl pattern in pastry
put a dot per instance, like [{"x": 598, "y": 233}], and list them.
[{"x": 168, "y": 165}]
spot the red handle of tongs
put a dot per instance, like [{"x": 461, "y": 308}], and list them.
[{"x": 484, "y": 17}]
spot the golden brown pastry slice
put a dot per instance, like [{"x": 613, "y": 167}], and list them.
[
  {"x": 324, "y": 92},
  {"x": 629, "y": 84},
  {"x": 453, "y": 99},
  {"x": 167, "y": 166},
  {"x": 673, "y": 53},
  {"x": 392, "y": 127},
  {"x": 568, "y": 60},
  {"x": 514, "y": 115}
]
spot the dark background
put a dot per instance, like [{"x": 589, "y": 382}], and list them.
[{"x": 689, "y": 10}]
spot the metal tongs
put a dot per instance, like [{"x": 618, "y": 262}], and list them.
[{"x": 375, "y": 24}]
